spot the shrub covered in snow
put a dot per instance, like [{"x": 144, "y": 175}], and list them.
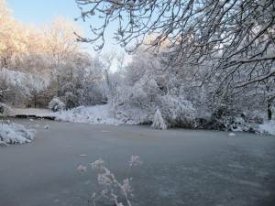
[
  {"x": 268, "y": 127},
  {"x": 227, "y": 119},
  {"x": 5, "y": 110},
  {"x": 112, "y": 191},
  {"x": 138, "y": 104},
  {"x": 71, "y": 100},
  {"x": 11, "y": 133},
  {"x": 177, "y": 111},
  {"x": 99, "y": 114},
  {"x": 159, "y": 122},
  {"x": 56, "y": 104}
]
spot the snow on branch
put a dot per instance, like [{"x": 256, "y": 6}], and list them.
[{"x": 258, "y": 79}]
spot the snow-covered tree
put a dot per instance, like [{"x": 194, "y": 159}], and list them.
[
  {"x": 158, "y": 121},
  {"x": 48, "y": 55},
  {"x": 146, "y": 85},
  {"x": 191, "y": 28},
  {"x": 229, "y": 45}
]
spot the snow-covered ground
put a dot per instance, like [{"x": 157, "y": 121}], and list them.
[
  {"x": 11, "y": 133},
  {"x": 268, "y": 127},
  {"x": 99, "y": 114}
]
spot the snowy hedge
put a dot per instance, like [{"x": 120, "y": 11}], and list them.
[{"x": 11, "y": 133}]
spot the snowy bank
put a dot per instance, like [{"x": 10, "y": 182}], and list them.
[
  {"x": 268, "y": 127},
  {"x": 11, "y": 133},
  {"x": 31, "y": 112},
  {"x": 103, "y": 114},
  {"x": 99, "y": 114}
]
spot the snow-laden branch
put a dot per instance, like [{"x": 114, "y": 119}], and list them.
[{"x": 258, "y": 79}]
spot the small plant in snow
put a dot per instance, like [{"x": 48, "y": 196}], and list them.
[
  {"x": 56, "y": 104},
  {"x": 159, "y": 122},
  {"x": 135, "y": 161},
  {"x": 11, "y": 133},
  {"x": 112, "y": 191}
]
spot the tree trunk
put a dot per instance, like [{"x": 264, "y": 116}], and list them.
[{"x": 269, "y": 110}]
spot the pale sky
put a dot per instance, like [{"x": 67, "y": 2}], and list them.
[
  {"x": 39, "y": 12},
  {"x": 43, "y": 11}
]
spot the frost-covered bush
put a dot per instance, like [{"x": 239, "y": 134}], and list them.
[
  {"x": 229, "y": 120},
  {"x": 239, "y": 124},
  {"x": 92, "y": 95},
  {"x": 267, "y": 127},
  {"x": 56, "y": 104},
  {"x": 71, "y": 100},
  {"x": 111, "y": 190},
  {"x": 138, "y": 104},
  {"x": 5, "y": 110},
  {"x": 177, "y": 111},
  {"x": 11, "y": 133},
  {"x": 158, "y": 121}
]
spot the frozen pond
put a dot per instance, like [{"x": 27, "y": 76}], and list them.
[{"x": 181, "y": 167}]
